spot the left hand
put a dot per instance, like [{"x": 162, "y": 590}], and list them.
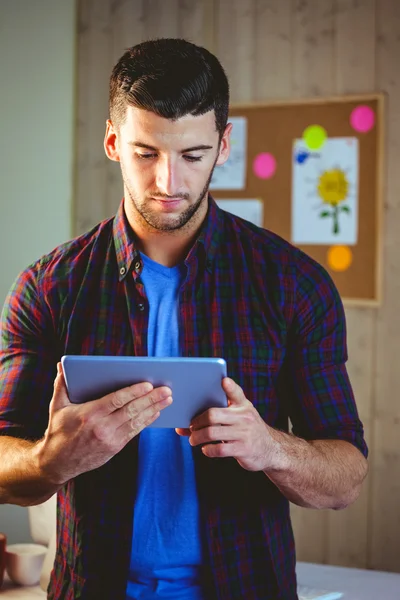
[{"x": 237, "y": 431}]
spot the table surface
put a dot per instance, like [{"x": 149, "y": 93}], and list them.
[{"x": 356, "y": 584}]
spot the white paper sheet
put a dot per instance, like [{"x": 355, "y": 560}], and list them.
[
  {"x": 232, "y": 174},
  {"x": 325, "y": 192},
  {"x": 249, "y": 209}
]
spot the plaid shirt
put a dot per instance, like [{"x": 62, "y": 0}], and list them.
[{"x": 275, "y": 316}]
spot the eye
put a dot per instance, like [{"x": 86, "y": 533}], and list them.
[
  {"x": 144, "y": 156},
  {"x": 190, "y": 158}
]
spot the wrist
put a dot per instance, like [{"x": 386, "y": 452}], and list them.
[
  {"x": 45, "y": 468},
  {"x": 287, "y": 450}
]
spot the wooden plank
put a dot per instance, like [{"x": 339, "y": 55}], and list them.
[
  {"x": 196, "y": 22},
  {"x": 326, "y": 99},
  {"x": 385, "y": 500},
  {"x": 313, "y": 47},
  {"x": 384, "y": 551},
  {"x": 310, "y": 532},
  {"x": 355, "y": 46},
  {"x": 127, "y": 22},
  {"x": 273, "y": 74},
  {"x": 235, "y": 45},
  {"x": 95, "y": 64},
  {"x": 161, "y": 18},
  {"x": 313, "y": 69},
  {"x": 127, "y": 30},
  {"x": 361, "y": 332},
  {"x": 355, "y": 72}
]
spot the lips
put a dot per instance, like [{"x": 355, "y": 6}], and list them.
[
  {"x": 169, "y": 203},
  {"x": 168, "y": 199}
]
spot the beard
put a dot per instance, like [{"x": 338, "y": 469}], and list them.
[{"x": 159, "y": 222}]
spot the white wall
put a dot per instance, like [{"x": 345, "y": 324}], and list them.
[{"x": 37, "y": 98}]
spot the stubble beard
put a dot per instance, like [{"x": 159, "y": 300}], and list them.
[{"x": 159, "y": 222}]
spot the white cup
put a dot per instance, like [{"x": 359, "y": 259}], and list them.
[{"x": 24, "y": 562}]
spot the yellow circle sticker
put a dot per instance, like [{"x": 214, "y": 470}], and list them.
[
  {"x": 315, "y": 137},
  {"x": 340, "y": 258}
]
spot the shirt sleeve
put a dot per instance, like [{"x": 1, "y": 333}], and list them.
[
  {"x": 28, "y": 360},
  {"x": 322, "y": 404}
]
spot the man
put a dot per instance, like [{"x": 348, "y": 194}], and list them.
[{"x": 187, "y": 514}]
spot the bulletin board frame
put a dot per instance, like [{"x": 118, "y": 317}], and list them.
[{"x": 371, "y": 296}]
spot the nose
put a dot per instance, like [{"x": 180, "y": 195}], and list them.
[{"x": 167, "y": 177}]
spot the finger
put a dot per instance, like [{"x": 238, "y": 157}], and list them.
[
  {"x": 60, "y": 397},
  {"x": 131, "y": 427},
  {"x": 143, "y": 392},
  {"x": 214, "y": 416},
  {"x": 183, "y": 432},
  {"x": 234, "y": 392},
  {"x": 218, "y": 433},
  {"x": 222, "y": 450},
  {"x": 142, "y": 409}
]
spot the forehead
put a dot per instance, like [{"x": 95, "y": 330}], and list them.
[{"x": 147, "y": 125}]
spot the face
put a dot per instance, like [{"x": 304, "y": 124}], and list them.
[{"x": 166, "y": 167}]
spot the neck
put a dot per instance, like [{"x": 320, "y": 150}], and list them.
[{"x": 164, "y": 249}]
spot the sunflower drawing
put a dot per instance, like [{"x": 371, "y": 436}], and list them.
[{"x": 333, "y": 188}]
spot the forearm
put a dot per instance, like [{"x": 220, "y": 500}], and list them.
[
  {"x": 317, "y": 474},
  {"x": 21, "y": 479}
]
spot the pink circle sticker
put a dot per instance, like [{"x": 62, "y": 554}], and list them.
[
  {"x": 362, "y": 119},
  {"x": 264, "y": 165}
]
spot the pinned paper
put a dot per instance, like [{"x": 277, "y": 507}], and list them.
[
  {"x": 362, "y": 119},
  {"x": 314, "y": 137},
  {"x": 232, "y": 174},
  {"x": 249, "y": 209},
  {"x": 264, "y": 165},
  {"x": 325, "y": 194}
]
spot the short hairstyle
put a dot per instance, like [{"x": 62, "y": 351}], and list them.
[{"x": 172, "y": 78}]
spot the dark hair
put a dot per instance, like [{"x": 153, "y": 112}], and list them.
[{"x": 172, "y": 78}]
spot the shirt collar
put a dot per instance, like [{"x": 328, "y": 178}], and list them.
[
  {"x": 207, "y": 240},
  {"x": 210, "y": 234},
  {"x": 124, "y": 242}
]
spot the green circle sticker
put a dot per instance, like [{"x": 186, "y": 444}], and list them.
[{"x": 315, "y": 137}]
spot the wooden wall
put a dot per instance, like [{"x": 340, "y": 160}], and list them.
[{"x": 275, "y": 49}]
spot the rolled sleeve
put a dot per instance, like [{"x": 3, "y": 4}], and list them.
[
  {"x": 28, "y": 360},
  {"x": 323, "y": 405}
]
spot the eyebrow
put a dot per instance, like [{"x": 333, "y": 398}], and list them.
[{"x": 192, "y": 149}]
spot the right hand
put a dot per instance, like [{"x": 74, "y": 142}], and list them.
[{"x": 83, "y": 437}]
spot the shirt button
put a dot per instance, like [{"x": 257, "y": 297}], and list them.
[
  {"x": 137, "y": 266},
  {"x": 122, "y": 271},
  {"x": 141, "y": 307}
]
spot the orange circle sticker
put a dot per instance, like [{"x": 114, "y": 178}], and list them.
[{"x": 340, "y": 258}]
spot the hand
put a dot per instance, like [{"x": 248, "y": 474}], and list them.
[
  {"x": 237, "y": 431},
  {"x": 83, "y": 437}
]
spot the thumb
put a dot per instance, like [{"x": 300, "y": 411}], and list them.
[
  {"x": 60, "y": 396},
  {"x": 234, "y": 392}
]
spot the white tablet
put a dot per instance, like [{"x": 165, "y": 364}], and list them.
[{"x": 195, "y": 382}]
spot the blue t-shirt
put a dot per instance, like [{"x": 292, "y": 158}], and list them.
[{"x": 167, "y": 559}]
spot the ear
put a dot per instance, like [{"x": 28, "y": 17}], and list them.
[
  {"x": 225, "y": 145},
  {"x": 111, "y": 142}
]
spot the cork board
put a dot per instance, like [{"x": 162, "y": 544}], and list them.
[{"x": 344, "y": 228}]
